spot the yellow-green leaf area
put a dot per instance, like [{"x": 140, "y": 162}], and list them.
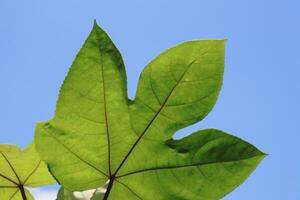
[{"x": 19, "y": 170}]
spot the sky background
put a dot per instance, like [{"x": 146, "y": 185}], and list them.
[{"x": 259, "y": 101}]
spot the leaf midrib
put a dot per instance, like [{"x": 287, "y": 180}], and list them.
[
  {"x": 185, "y": 166},
  {"x": 105, "y": 115}
]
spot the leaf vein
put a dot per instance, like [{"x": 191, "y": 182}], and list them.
[
  {"x": 77, "y": 156},
  {"x": 182, "y": 166}
]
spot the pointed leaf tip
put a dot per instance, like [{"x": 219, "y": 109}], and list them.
[
  {"x": 96, "y": 23},
  {"x": 96, "y": 27}
]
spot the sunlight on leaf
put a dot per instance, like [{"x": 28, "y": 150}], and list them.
[
  {"x": 19, "y": 170},
  {"x": 98, "y": 134}
]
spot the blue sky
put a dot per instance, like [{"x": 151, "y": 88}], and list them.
[{"x": 260, "y": 98}]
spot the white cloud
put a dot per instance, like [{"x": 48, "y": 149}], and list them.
[{"x": 43, "y": 194}]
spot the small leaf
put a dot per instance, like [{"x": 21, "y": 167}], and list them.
[
  {"x": 99, "y": 135},
  {"x": 20, "y": 169}
]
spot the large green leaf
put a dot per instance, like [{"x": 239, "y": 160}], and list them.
[
  {"x": 98, "y": 134},
  {"x": 20, "y": 169}
]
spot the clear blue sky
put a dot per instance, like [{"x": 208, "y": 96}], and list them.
[{"x": 260, "y": 98}]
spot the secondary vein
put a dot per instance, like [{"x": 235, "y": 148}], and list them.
[
  {"x": 12, "y": 168},
  {"x": 33, "y": 171},
  {"x": 127, "y": 187},
  {"x": 68, "y": 149},
  {"x": 10, "y": 180}
]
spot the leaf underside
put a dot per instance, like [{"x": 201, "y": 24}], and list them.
[
  {"x": 20, "y": 169},
  {"x": 98, "y": 134}
]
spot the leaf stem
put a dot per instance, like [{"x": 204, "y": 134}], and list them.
[
  {"x": 109, "y": 187},
  {"x": 22, "y": 190}
]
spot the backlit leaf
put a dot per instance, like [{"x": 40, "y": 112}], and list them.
[
  {"x": 99, "y": 135},
  {"x": 20, "y": 170}
]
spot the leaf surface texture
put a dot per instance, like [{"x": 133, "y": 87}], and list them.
[{"x": 98, "y": 134}]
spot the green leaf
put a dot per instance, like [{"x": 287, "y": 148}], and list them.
[
  {"x": 20, "y": 169},
  {"x": 98, "y": 134}
]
